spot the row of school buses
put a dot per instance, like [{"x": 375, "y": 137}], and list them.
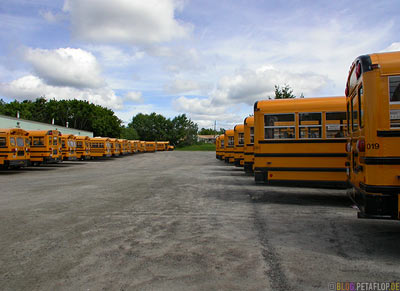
[
  {"x": 348, "y": 142},
  {"x": 20, "y": 148}
]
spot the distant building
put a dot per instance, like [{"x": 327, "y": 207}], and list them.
[
  {"x": 11, "y": 122},
  {"x": 206, "y": 138}
]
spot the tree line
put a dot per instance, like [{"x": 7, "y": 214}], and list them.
[{"x": 102, "y": 121}]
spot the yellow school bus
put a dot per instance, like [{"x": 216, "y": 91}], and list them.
[
  {"x": 14, "y": 148},
  {"x": 142, "y": 146},
  {"x": 222, "y": 147},
  {"x": 373, "y": 111},
  {"x": 161, "y": 145},
  {"x": 100, "y": 147},
  {"x": 124, "y": 146},
  {"x": 45, "y": 146},
  {"x": 248, "y": 149},
  {"x": 300, "y": 142},
  {"x": 68, "y": 146},
  {"x": 83, "y": 147},
  {"x": 229, "y": 146},
  {"x": 238, "y": 141},
  {"x": 151, "y": 146},
  {"x": 115, "y": 147},
  {"x": 136, "y": 145},
  {"x": 218, "y": 147}
]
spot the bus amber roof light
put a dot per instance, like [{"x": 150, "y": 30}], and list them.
[
  {"x": 361, "y": 145},
  {"x": 346, "y": 91}
]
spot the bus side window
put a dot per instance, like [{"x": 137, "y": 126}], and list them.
[
  {"x": 241, "y": 138},
  {"x": 2, "y": 142},
  {"x": 394, "y": 89},
  {"x": 310, "y": 125},
  {"x": 335, "y": 124},
  {"x": 354, "y": 114},
  {"x": 279, "y": 126},
  {"x": 231, "y": 141},
  {"x": 360, "y": 107},
  {"x": 12, "y": 141},
  {"x": 50, "y": 140},
  {"x": 251, "y": 134}
]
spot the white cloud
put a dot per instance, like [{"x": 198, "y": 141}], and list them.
[
  {"x": 182, "y": 86},
  {"x": 129, "y": 111},
  {"x": 51, "y": 17},
  {"x": 112, "y": 56},
  {"x": 248, "y": 85},
  {"x": 31, "y": 87},
  {"x": 66, "y": 67},
  {"x": 133, "y": 97},
  {"x": 393, "y": 47},
  {"x": 126, "y": 21}
]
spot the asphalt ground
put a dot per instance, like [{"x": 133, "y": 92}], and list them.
[{"x": 181, "y": 221}]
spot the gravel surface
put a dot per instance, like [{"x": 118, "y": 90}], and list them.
[{"x": 181, "y": 221}]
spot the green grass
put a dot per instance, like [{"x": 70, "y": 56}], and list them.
[{"x": 198, "y": 147}]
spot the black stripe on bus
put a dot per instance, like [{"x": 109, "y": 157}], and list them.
[
  {"x": 388, "y": 133},
  {"x": 304, "y": 169},
  {"x": 239, "y": 145},
  {"x": 380, "y": 189},
  {"x": 238, "y": 152},
  {"x": 303, "y": 141},
  {"x": 302, "y": 155},
  {"x": 229, "y": 152},
  {"x": 380, "y": 160},
  {"x": 248, "y": 154},
  {"x": 250, "y": 144}
]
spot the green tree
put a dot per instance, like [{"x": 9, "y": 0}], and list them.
[
  {"x": 129, "y": 133},
  {"x": 284, "y": 93},
  {"x": 184, "y": 131}
]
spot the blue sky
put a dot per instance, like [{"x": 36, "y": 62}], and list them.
[{"x": 209, "y": 59}]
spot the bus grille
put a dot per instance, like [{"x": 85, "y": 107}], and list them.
[{"x": 21, "y": 153}]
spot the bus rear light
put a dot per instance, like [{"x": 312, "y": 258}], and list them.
[
  {"x": 360, "y": 145},
  {"x": 375, "y": 66},
  {"x": 358, "y": 70},
  {"x": 348, "y": 147}
]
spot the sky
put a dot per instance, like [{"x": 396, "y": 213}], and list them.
[{"x": 208, "y": 59}]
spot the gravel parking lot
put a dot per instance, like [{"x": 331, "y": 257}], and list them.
[{"x": 181, "y": 221}]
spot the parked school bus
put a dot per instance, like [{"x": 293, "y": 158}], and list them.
[
  {"x": 14, "y": 148},
  {"x": 150, "y": 146},
  {"x": 222, "y": 147},
  {"x": 248, "y": 149},
  {"x": 45, "y": 146},
  {"x": 300, "y": 142},
  {"x": 229, "y": 146},
  {"x": 160, "y": 145},
  {"x": 373, "y": 110},
  {"x": 238, "y": 141},
  {"x": 124, "y": 146},
  {"x": 136, "y": 145},
  {"x": 83, "y": 147},
  {"x": 115, "y": 147},
  {"x": 142, "y": 146},
  {"x": 68, "y": 145},
  {"x": 218, "y": 147},
  {"x": 100, "y": 147}
]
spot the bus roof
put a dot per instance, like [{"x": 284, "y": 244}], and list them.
[
  {"x": 17, "y": 131},
  {"x": 83, "y": 137},
  {"x": 249, "y": 120},
  {"x": 99, "y": 139},
  {"x": 389, "y": 62},
  {"x": 239, "y": 127},
  {"x": 229, "y": 132},
  {"x": 301, "y": 104},
  {"x": 44, "y": 132}
]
